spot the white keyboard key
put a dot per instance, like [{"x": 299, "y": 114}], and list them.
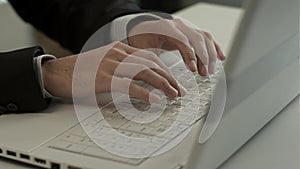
[
  {"x": 154, "y": 123},
  {"x": 73, "y": 138},
  {"x": 88, "y": 128},
  {"x": 158, "y": 130},
  {"x": 175, "y": 131},
  {"x": 86, "y": 141},
  {"x": 136, "y": 127},
  {"x": 180, "y": 113},
  {"x": 117, "y": 122}
]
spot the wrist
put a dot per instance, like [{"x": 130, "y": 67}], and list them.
[
  {"x": 47, "y": 77},
  {"x": 57, "y": 76}
]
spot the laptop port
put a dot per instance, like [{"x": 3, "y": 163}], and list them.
[
  {"x": 55, "y": 166},
  {"x": 11, "y": 153},
  {"x": 40, "y": 161},
  {"x": 1, "y": 151},
  {"x": 25, "y": 156}
]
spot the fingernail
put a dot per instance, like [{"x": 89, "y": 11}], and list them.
[
  {"x": 153, "y": 98},
  {"x": 173, "y": 92},
  {"x": 193, "y": 65},
  {"x": 206, "y": 68},
  {"x": 203, "y": 70},
  {"x": 222, "y": 55},
  {"x": 183, "y": 90}
]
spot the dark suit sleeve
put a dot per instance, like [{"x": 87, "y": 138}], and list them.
[
  {"x": 19, "y": 88},
  {"x": 72, "y": 22}
]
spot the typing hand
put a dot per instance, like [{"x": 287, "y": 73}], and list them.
[
  {"x": 178, "y": 34},
  {"x": 58, "y": 74}
]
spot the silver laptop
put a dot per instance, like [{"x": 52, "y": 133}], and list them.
[{"x": 262, "y": 78}]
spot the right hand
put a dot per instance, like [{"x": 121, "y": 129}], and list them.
[{"x": 58, "y": 74}]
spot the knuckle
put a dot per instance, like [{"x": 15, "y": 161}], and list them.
[
  {"x": 155, "y": 65},
  {"x": 117, "y": 53},
  {"x": 156, "y": 60},
  {"x": 104, "y": 76},
  {"x": 115, "y": 44},
  {"x": 179, "y": 20},
  {"x": 208, "y": 35},
  {"x": 114, "y": 51},
  {"x": 118, "y": 43},
  {"x": 152, "y": 64},
  {"x": 105, "y": 61},
  {"x": 141, "y": 68},
  {"x": 200, "y": 38},
  {"x": 168, "y": 23},
  {"x": 164, "y": 83},
  {"x": 185, "y": 40},
  {"x": 151, "y": 55}
]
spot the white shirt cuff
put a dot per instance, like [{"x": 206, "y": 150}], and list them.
[
  {"x": 38, "y": 61},
  {"x": 118, "y": 31}
]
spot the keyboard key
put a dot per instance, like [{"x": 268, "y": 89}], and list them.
[{"x": 177, "y": 115}]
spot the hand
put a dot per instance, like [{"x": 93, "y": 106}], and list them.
[
  {"x": 178, "y": 34},
  {"x": 58, "y": 74}
]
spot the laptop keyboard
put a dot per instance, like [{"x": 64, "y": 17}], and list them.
[{"x": 77, "y": 141}]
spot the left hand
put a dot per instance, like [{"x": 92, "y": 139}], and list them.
[{"x": 177, "y": 34}]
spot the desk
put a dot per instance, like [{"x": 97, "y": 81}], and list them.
[{"x": 277, "y": 145}]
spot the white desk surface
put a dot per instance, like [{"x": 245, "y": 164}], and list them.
[{"x": 277, "y": 145}]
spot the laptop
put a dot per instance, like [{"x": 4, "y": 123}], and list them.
[{"x": 262, "y": 74}]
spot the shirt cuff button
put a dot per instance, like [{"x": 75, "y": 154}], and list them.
[{"x": 12, "y": 107}]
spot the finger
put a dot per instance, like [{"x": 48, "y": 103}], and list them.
[
  {"x": 161, "y": 70},
  {"x": 175, "y": 37},
  {"x": 160, "y": 82},
  {"x": 211, "y": 51},
  {"x": 187, "y": 54},
  {"x": 117, "y": 54},
  {"x": 221, "y": 55},
  {"x": 168, "y": 47},
  {"x": 197, "y": 41},
  {"x": 134, "y": 90},
  {"x": 150, "y": 60},
  {"x": 141, "y": 53},
  {"x": 174, "y": 83},
  {"x": 202, "y": 69},
  {"x": 152, "y": 57},
  {"x": 103, "y": 82},
  {"x": 122, "y": 56},
  {"x": 128, "y": 49},
  {"x": 144, "y": 73}
]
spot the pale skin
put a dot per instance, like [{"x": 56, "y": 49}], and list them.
[{"x": 58, "y": 74}]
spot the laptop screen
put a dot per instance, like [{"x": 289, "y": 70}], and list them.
[{"x": 267, "y": 42}]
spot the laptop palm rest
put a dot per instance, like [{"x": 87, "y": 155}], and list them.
[{"x": 26, "y": 131}]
